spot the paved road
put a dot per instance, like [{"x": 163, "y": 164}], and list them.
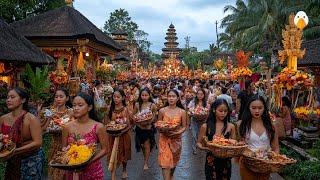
[{"x": 190, "y": 167}]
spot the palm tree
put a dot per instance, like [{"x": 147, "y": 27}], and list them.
[{"x": 257, "y": 25}]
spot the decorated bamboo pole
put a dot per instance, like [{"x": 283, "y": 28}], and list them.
[{"x": 113, "y": 159}]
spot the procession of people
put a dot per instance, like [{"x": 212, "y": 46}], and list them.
[{"x": 174, "y": 101}]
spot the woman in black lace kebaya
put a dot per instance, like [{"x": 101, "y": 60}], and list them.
[{"x": 217, "y": 125}]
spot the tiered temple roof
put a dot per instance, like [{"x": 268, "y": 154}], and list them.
[{"x": 171, "y": 45}]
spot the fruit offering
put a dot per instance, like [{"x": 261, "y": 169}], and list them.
[
  {"x": 219, "y": 140},
  {"x": 167, "y": 125},
  {"x": 6, "y": 145},
  {"x": 270, "y": 156},
  {"x": 113, "y": 127},
  {"x": 199, "y": 111},
  {"x": 144, "y": 115},
  {"x": 75, "y": 154}
]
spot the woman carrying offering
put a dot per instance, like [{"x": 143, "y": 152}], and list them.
[
  {"x": 170, "y": 141},
  {"x": 87, "y": 130},
  {"x": 60, "y": 113},
  {"x": 217, "y": 125},
  {"x": 145, "y": 131},
  {"x": 199, "y": 103},
  {"x": 119, "y": 114},
  {"x": 24, "y": 130},
  {"x": 257, "y": 131}
]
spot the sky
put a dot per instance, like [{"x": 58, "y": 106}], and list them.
[{"x": 194, "y": 18}]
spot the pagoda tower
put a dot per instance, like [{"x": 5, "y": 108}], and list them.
[{"x": 171, "y": 44}]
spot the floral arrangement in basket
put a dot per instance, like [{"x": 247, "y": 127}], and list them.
[
  {"x": 143, "y": 116},
  {"x": 75, "y": 155},
  {"x": 265, "y": 161},
  {"x": 7, "y": 147},
  {"x": 242, "y": 71},
  {"x": 199, "y": 113},
  {"x": 56, "y": 122},
  {"x": 225, "y": 148},
  {"x": 164, "y": 126},
  {"x": 292, "y": 79},
  {"x": 117, "y": 126},
  {"x": 59, "y": 76},
  {"x": 306, "y": 113}
]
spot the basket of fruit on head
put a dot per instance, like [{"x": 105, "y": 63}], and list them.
[
  {"x": 199, "y": 113},
  {"x": 265, "y": 161},
  {"x": 165, "y": 126},
  {"x": 143, "y": 116},
  {"x": 224, "y": 148},
  {"x": 7, "y": 147},
  {"x": 74, "y": 157},
  {"x": 117, "y": 126}
]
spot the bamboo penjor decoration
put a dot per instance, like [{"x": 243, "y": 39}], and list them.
[{"x": 292, "y": 40}]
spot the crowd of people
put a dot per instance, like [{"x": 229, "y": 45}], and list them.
[{"x": 234, "y": 113}]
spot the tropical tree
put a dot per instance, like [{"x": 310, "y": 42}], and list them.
[
  {"x": 257, "y": 25},
  {"x": 119, "y": 20},
  {"x": 14, "y": 10}
]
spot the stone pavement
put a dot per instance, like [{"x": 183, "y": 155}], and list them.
[{"x": 190, "y": 167}]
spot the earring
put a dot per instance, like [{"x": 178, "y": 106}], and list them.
[{"x": 214, "y": 111}]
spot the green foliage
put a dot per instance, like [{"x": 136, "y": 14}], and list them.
[
  {"x": 303, "y": 169},
  {"x": 193, "y": 58},
  {"x": 315, "y": 150},
  {"x": 154, "y": 57},
  {"x": 38, "y": 81},
  {"x": 14, "y": 10},
  {"x": 120, "y": 20},
  {"x": 257, "y": 25}
]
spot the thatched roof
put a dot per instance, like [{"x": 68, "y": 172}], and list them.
[
  {"x": 312, "y": 56},
  {"x": 65, "y": 22},
  {"x": 14, "y": 47},
  {"x": 121, "y": 57}
]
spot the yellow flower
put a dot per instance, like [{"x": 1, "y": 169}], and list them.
[{"x": 79, "y": 154}]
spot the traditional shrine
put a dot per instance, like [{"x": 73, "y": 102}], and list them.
[
  {"x": 65, "y": 33},
  {"x": 171, "y": 45},
  {"x": 16, "y": 52},
  {"x": 311, "y": 59},
  {"x": 122, "y": 57},
  {"x": 297, "y": 84}
]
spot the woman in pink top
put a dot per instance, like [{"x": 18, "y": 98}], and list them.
[{"x": 86, "y": 127}]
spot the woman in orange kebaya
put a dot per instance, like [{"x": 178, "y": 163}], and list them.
[{"x": 170, "y": 142}]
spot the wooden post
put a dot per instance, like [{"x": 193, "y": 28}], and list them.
[{"x": 113, "y": 159}]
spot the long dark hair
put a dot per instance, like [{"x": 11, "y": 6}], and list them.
[
  {"x": 211, "y": 121},
  {"x": 245, "y": 126},
  {"x": 23, "y": 94},
  {"x": 113, "y": 105},
  {"x": 66, "y": 92},
  {"x": 89, "y": 100},
  {"x": 178, "y": 104},
  {"x": 140, "y": 101},
  {"x": 204, "y": 100}
]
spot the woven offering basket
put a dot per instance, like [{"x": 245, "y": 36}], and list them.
[
  {"x": 144, "y": 121},
  {"x": 116, "y": 132},
  {"x": 263, "y": 166},
  {"x": 76, "y": 167},
  {"x": 163, "y": 129},
  {"x": 200, "y": 117},
  {"x": 224, "y": 151},
  {"x": 6, "y": 154}
]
